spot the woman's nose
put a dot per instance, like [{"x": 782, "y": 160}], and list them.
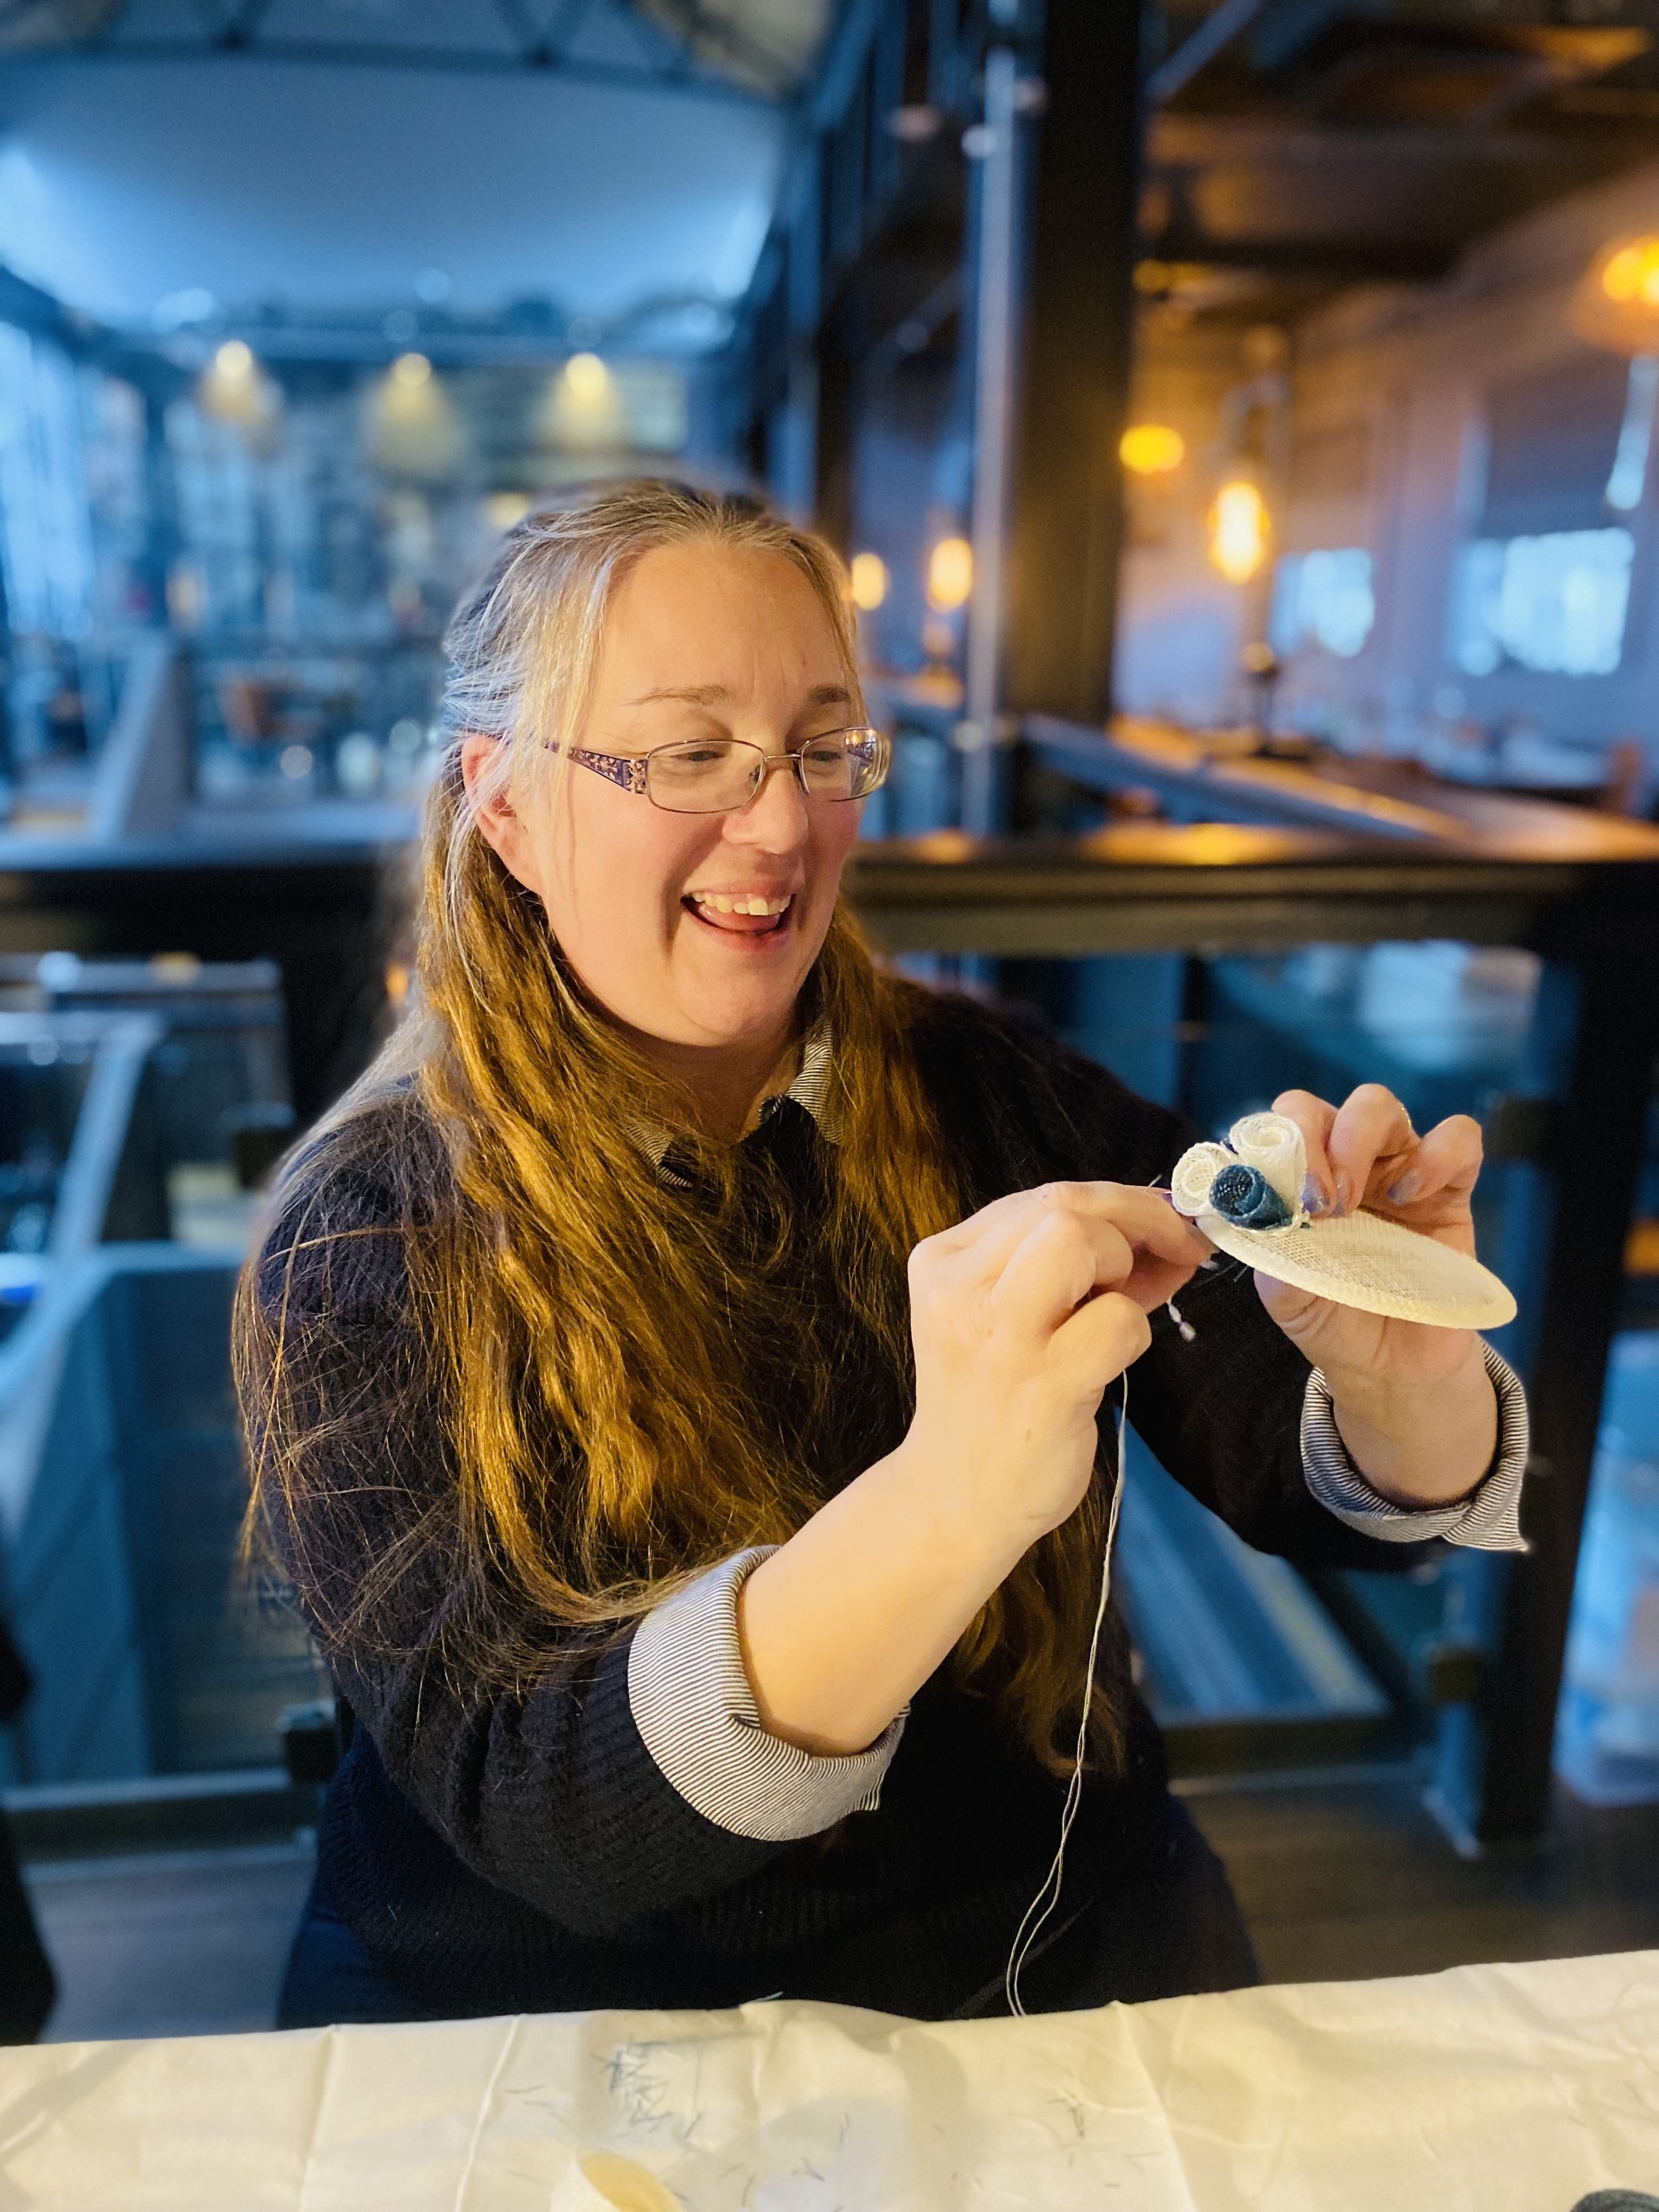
[{"x": 776, "y": 815}]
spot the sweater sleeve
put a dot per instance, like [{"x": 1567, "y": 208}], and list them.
[
  {"x": 610, "y": 1784},
  {"x": 1487, "y": 1520},
  {"x": 693, "y": 1705}
]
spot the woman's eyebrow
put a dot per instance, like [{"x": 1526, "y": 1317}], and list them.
[
  {"x": 715, "y": 694},
  {"x": 694, "y": 695}
]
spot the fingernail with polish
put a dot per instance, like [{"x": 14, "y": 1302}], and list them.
[
  {"x": 1314, "y": 1199},
  {"x": 1403, "y": 1192},
  {"x": 1342, "y": 1192}
]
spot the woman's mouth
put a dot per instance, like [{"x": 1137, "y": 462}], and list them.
[{"x": 740, "y": 914}]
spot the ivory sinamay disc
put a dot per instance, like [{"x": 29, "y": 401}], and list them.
[{"x": 1361, "y": 1259}]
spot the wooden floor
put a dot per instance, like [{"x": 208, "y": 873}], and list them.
[
  {"x": 1339, "y": 1879},
  {"x": 1343, "y": 1881},
  {"x": 175, "y": 1944}
]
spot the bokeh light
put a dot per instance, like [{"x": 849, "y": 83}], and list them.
[
  {"x": 1238, "y": 530},
  {"x": 868, "y": 581},
  {"x": 950, "y": 574},
  {"x": 1631, "y": 273},
  {"x": 1152, "y": 449}
]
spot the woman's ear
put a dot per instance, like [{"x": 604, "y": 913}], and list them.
[{"x": 483, "y": 763}]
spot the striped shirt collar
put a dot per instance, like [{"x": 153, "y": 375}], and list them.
[{"x": 810, "y": 1091}]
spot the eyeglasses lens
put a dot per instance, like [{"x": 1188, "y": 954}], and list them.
[{"x": 717, "y": 775}]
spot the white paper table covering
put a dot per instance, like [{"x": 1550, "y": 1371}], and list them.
[{"x": 1488, "y": 2089}]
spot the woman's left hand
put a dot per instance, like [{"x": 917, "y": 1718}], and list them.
[
  {"x": 1367, "y": 1153},
  {"x": 1414, "y": 1403}
]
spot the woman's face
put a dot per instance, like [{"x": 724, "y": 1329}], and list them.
[{"x": 699, "y": 642}]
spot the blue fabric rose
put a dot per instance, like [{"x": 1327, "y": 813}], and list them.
[{"x": 1244, "y": 1196}]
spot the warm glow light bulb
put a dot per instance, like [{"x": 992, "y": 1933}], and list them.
[
  {"x": 1239, "y": 530},
  {"x": 587, "y": 378},
  {"x": 411, "y": 369},
  {"x": 1632, "y": 274},
  {"x": 1152, "y": 449},
  {"x": 232, "y": 388},
  {"x": 868, "y": 581},
  {"x": 1615, "y": 303},
  {"x": 950, "y": 574},
  {"x": 1622, "y": 277}
]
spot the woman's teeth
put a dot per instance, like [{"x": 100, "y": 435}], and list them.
[{"x": 738, "y": 905}]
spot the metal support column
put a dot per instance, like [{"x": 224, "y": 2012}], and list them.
[
  {"x": 1073, "y": 380},
  {"x": 1596, "y": 1155},
  {"x": 996, "y": 306},
  {"x": 795, "y": 461}
]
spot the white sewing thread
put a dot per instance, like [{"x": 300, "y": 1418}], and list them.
[{"x": 1047, "y": 1897}]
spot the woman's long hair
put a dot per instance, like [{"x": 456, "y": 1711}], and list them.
[{"x": 583, "y": 1324}]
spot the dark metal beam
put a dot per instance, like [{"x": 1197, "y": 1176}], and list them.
[
  {"x": 868, "y": 223},
  {"x": 327, "y": 920},
  {"x": 1597, "y": 1157},
  {"x": 676, "y": 79},
  {"x": 1199, "y": 48},
  {"x": 1224, "y": 887},
  {"x": 1330, "y": 260},
  {"x": 1074, "y": 373},
  {"x": 32, "y": 309},
  {"x": 1184, "y": 138}
]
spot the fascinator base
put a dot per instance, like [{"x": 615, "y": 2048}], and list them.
[{"x": 1375, "y": 1266}]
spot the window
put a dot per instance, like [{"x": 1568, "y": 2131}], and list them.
[
  {"x": 45, "y": 532},
  {"x": 1544, "y": 582},
  {"x": 1323, "y": 597},
  {"x": 1554, "y": 603},
  {"x": 1324, "y": 591}
]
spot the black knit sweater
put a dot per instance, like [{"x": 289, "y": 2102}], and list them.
[{"x": 499, "y": 1852}]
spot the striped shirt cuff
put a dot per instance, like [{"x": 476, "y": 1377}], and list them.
[
  {"x": 1487, "y": 1520},
  {"x": 694, "y": 1710}
]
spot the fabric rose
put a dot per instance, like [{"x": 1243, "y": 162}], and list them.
[
  {"x": 1244, "y": 1196},
  {"x": 1195, "y": 1170}
]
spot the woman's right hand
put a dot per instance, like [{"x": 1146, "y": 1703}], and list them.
[{"x": 1021, "y": 1316}]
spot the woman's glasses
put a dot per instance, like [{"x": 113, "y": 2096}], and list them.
[{"x": 718, "y": 775}]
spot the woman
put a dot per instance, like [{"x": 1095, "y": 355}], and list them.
[{"x": 713, "y": 1605}]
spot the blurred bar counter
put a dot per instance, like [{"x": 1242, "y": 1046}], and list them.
[{"x": 1246, "y": 775}]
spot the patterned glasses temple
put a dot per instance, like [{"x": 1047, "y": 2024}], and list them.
[
  {"x": 626, "y": 770},
  {"x": 630, "y": 771}
]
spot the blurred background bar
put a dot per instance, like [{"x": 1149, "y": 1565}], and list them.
[{"x": 1237, "y": 419}]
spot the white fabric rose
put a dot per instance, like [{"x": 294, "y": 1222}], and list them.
[
  {"x": 1194, "y": 1172},
  {"x": 1274, "y": 1144}
]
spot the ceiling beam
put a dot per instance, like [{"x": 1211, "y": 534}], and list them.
[
  {"x": 676, "y": 79},
  {"x": 1199, "y": 48},
  {"x": 1260, "y": 140},
  {"x": 1330, "y": 260}
]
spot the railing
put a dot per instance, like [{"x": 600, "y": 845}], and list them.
[{"x": 1579, "y": 890}]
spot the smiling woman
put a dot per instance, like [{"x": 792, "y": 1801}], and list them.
[
  {"x": 674, "y": 1375},
  {"x": 744, "y": 864},
  {"x": 731, "y": 871}
]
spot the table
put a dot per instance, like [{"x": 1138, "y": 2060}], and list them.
[{"x": 1487, "y": 2089}]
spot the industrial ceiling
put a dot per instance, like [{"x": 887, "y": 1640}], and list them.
[
  {"x": 765, "y": 46},
  {"x": 1295, "y": 145}
]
